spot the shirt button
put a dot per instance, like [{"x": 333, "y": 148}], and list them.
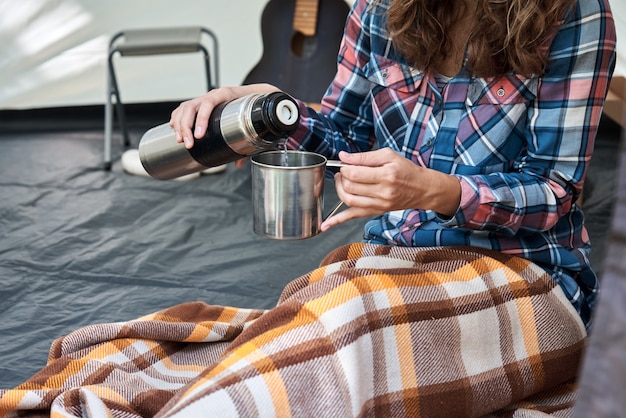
[
  {"x": 385, "y": 73},
  {"x": 429, "y": 142}
]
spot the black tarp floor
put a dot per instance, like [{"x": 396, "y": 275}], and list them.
[{"x": 79, "y": 245}]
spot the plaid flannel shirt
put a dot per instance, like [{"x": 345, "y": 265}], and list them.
[{"x": 520, "y": 146}]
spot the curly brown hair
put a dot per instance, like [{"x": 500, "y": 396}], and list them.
[{"x": 503, "y": 35}]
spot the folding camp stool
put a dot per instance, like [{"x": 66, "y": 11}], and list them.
[{"x": 159, "y": 41}]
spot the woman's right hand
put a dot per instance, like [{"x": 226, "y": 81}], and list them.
[{"x": 194, "y": 114}]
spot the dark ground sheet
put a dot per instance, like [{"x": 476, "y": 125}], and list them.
[{"x": 79, "y": 245}]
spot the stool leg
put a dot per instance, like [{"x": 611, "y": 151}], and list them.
[
  {"x": 108, "y": 122},
  {"x": 121, "y": 117},
  {"x": 113, "y": 92},
  {"x": 207, "y": 68},
  {"x": 119, "y": 106}
]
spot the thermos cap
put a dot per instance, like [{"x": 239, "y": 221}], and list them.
[{"x": 287, "y": 112}]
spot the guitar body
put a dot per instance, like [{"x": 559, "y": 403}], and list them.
[{"x": 300, "y": 65}]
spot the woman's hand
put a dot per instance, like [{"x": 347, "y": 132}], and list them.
[
  {"x": 194, "y": 114},
  {"x": 380, "y": 181}
]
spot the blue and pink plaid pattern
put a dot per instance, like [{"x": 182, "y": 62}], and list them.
[{"x": 520, "y": 146}]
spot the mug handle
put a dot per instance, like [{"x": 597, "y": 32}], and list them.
[
  {"x": 334, "y": 210},
  {"x": 334, "y": 163}
]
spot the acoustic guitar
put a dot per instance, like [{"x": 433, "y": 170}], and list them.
[{"x": 300, "y": 44}]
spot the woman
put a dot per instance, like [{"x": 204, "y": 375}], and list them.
[
  {"x": 484, "y": 113},
  {"x": 467, "y": 128}
]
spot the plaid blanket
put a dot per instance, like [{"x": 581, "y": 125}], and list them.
[{"x": 374, "y": 331}]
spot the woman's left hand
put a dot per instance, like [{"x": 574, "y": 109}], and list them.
[{"x": 380, "y": 181}]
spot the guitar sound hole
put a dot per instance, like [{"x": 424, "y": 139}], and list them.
[{"x": 303, "y": 46}]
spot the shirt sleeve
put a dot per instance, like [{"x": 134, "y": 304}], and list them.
[
  {"x": 562, "y": 123},
  {"x": 346, "y": 121}
]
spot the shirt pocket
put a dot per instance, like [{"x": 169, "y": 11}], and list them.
[
  {"x": 395, "y": 92},
  {"x": 384, "y": 73},
  {"x": 508, "y": 90},
  {"x": 492, "y": 134}
]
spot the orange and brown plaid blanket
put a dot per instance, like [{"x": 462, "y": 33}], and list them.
[{"x": 374, "y": 331}]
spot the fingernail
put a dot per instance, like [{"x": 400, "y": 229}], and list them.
[
  {"x": 188, "y": 142},
  {"x": 198, "y": 131}
]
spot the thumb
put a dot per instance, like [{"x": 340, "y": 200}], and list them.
[{"x": 368, "y": 159}]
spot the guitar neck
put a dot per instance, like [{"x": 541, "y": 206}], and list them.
[{"x": 305, "y": 17}]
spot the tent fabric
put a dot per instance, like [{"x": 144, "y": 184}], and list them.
[
  {"x": 53, "y": 53},
  {"x": 81, "y": 246}
]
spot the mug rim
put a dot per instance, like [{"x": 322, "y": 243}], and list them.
[{"x": 322, "y": 162}]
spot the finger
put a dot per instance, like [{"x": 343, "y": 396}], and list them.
[
  {"x": 175, "y": 121},
  {"x": 202, "y": 119},
  {"x": 343, "y": 216},
  {"x": 359, "y": 179},
  {"x": 370, "y": 159},
  {"x": 186, "y": 122},
  {"x": 362, "y": 167},
  {"x": 206, "y": 105},
  {"x": 194, "y": 114},
  {"x": 182, "y": 119},
  {"x": 366, "y": 197}
]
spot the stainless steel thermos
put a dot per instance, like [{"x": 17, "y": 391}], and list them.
[{"x": 238, "y": 128}]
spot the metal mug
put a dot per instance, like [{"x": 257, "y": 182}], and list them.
[{"x": 288, "y": 194}]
